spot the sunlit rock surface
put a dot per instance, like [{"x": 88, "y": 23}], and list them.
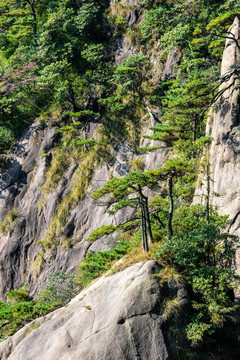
[
  {"x": 224, "y": 128},
  {"x": 118, "y": 317}
]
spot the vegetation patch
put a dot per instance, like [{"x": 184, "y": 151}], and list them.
[
  {"x": 37, "y": 263},
  {"x": 96, "y": 264},
  {"x": 61, "y": 58},
  {"x": 32, "y": 327},
  {"x": 80, "y": 182},
  {"x": 9, "y": 222}
]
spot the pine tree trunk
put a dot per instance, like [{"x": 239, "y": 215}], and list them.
[
  {"x": 170, "y": 214},
  {"x": 34, "y": 16},
  {"x": 144, "y": 229},
  {"x": 208, "y": 190},
  {"x": 148, "y": 224}
]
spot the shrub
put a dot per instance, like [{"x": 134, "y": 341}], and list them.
[
  {"x": 205, "y": 255},
  {"x": 59, "y": 289},
  {"x": 16, "y": 296},
  {"x": 95, "y": 265},
  {"x": 6, "y": 138}
]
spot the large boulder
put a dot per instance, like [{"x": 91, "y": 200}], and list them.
[{"x": 119, "y": 317}]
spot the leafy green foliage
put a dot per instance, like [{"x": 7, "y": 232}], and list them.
[
  {"x": 6, "y": 138},
  {"x": 14, "y": 316},
  {"x": 16, "y": 296},
  {"x": 205, "y": 254},
  {"x": 59, "y": 289},
  {"x": 103, "y": 230},
  {"x": 22, "y": 309},
  {"x": 95, "y": 265},
  {"x": 49, "y": 52},
  {"x": 120, "y": 188}
]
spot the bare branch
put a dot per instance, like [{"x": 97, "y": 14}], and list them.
[{"x": 229, "y": 37}]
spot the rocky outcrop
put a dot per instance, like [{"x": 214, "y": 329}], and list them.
[
  {"x": 21, "y": 259},
  {"x": 224, "y": 128},
  {"x": 173, "y": 60},
  {"x": 127, "y": 324},
  {"x": 20, "y": 186}
]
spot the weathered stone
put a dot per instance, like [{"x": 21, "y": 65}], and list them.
[
  {"x": 20, "y": 185},
  {"x": 118, "y": 317},
  {"x": 224, "y": 127},
  {"x": 123, "y": 50},
  {"x": 132, "y": 17},
  {"x": 173, "y": 60}
]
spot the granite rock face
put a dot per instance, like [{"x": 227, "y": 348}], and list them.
[
  {"x": 224, "y": 128},
  {"x": 118, "y": 317},
  {"x": 20, "y": 189}
]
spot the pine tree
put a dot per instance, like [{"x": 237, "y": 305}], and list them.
[{"x": 129, "y": 191}]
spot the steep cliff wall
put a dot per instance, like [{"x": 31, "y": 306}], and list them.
[
  {"x": 224, "y": 128},
  {"x": 21, "y": 183},
  {"x": 28, "y": 212}
]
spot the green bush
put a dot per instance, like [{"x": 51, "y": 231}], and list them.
[
  {"x": 14, "y": 316},
  {"x": 205, "y": 254},
  {"x": 95, "y": 265},
  {"x": 6, "y": 138},
  {"x": 9, "y": 221},
  {"x": 59, "y": 289},
  {"x": 16, "y": 296}
]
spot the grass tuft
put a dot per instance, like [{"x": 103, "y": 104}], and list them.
[{"x": 9, "y": 222}]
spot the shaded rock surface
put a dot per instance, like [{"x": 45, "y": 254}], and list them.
[
  {"x": 118, "y": 317},
  {"x": 173, "y": 60}
]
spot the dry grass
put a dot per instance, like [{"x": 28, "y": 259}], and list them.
[
  {"x": 37, "y": 264},
  {"x": 117, "y": 9},
  {"x": 32, "y": 327},
  {"x": 135, "y": 256},
  {"x": 171, "y": 308},
  {"x": 80, "y": 183},
  {"x": 9, "y": 222},
  {"x": 137, "y": 164},
  {"x": 169, "y": 274}
]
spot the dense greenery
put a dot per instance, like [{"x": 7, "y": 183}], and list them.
[
  {"x": 56, "y": 56},
  {"x": 57, "y": 62},
  {"x": 95, "y": 265},
  {"x": 205, "y": 255}
]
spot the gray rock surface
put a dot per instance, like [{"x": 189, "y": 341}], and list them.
[
  {"x": 118, "y": 317},
  {"x": 224, "y": 127},
  {"x": 173, "y": 60},
  {"x": 20, "y": 189}
]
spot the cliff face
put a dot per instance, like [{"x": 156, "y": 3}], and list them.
[
  {"x": 28, "y": 212},
  {"x": 21, "y": 183},
  {"x": 127, "y": 324},
  {"x": 120, "y": 316},
  {"x": 224, "y": 128}
]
